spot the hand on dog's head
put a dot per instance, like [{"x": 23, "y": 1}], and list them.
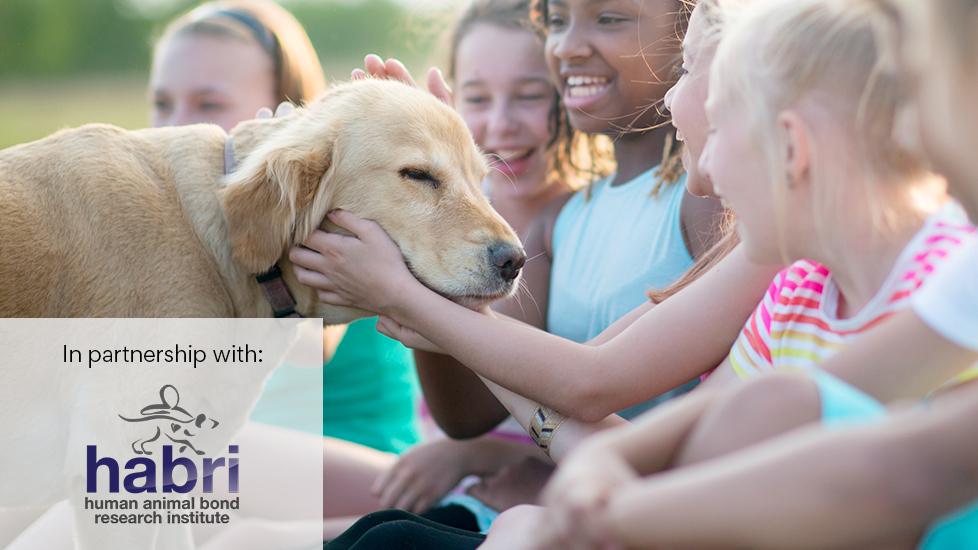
[{"x": 384, "y": 151}]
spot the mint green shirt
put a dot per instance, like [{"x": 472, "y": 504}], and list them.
[{"x": 369, "y": 393}]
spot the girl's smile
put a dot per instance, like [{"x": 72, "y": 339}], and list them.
[
  {"x": 582, "y": 91},
  {"x": 609, "y": 59}
]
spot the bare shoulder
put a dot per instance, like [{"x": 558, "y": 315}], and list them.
[
  {"x": 530, "y": 303},
  {"x": 542, "y": 227}
]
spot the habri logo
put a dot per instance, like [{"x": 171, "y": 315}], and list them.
[
  {"x": 171, "y": 421},
  {"x": 167, "y": 424}
]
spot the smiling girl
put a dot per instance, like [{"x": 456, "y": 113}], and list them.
[
  {"x": 609, "y": 244},
  {"x": 636, "y": 229},
  {"x": 664, "y": 348},
  {"x": 504, "y": 94}
]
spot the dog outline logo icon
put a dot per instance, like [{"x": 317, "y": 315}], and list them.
[{"x": 173, "y": 422}]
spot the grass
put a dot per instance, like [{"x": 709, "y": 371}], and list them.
[{"x": 33, "y": 109}]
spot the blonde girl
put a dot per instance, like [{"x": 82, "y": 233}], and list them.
[{"x": 814, "y": 76}]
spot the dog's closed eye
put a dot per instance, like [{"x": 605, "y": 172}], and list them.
[{"x": 420, "y": 175}]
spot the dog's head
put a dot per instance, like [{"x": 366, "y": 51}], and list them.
[{"x": 386, "y": 152}]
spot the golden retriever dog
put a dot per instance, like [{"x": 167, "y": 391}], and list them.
[{"x": 102, "y": 222}]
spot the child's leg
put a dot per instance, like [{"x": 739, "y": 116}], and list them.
[
  {"x": 511, "y": 528},
  {"x": 763, "y": 408},
  {"x": 349, "y": 471}
]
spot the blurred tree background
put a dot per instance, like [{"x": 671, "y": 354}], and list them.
[{"x": 68, "y": 62}]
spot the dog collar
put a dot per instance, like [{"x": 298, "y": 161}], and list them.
[
  {"x": 277, "y": 294},
  {"x": 271, "y": 282}
]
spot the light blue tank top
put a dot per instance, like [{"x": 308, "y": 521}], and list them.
[
  {"x": 845, "y": 405},
  {"x": 608, "y": 251}
]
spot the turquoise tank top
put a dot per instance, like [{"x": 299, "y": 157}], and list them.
[
  {"x": 608, "y": 251},
  {"x": 954, "y": 531},
  {"x": 369, "y": 393}
]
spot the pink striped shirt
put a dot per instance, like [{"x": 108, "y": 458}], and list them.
[{"x": 796, "y": 324}]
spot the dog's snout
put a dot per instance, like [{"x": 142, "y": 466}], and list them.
[{"x": 508, "y": 259}]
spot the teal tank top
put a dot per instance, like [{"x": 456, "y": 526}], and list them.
[
  {"x": 845, "y": 405},
  {"x": 369, "y": 393},
  {"x": 608, "y": 251}
]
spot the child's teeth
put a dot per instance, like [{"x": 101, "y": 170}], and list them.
[
  {"x": 510, "y": 154},
  {"x": 582, "y": 91},
  {"x": 585, "y": 80},
  {"x": 583, "y": 86}
]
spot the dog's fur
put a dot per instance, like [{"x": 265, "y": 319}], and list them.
[{"x": 103, "y": 222}]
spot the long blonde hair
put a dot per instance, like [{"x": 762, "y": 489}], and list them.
[
  {"x": 821, "y": 57},
  {"x": 298, "y": 75},
  {"x": 713, "y": 14}
]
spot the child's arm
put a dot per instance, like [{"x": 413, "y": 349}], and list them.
[
  {"x": 672, "y": 343},
  {"x": 459, "y": 402},
  {"x": 916, "y": 359},
  {"x": 570, "y": 433},
  {"x": 825, "y": 488}
]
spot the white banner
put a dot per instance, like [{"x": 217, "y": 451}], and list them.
[{"x": 134, "y": 433}]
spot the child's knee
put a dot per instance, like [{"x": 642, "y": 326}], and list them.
[
  {"x": 520, "y": 513},
  {"x": 793, "y": 397}
]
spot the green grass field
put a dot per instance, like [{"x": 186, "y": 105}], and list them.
[{"x": 30, "y": 110}]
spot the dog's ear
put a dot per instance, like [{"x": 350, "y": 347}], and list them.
[{"x": 275, "y": 195}]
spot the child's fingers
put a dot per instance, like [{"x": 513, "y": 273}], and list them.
[
  {"x": 311, "y": 278},
  {"x": 438, "y": 87},
  {"x": 384, "y": 329},
  {"x": 352, "y": 223},
  {"x": 333, "y": 299},
  {"x": 395, "y": 489},
  {"x": 396, "y": 70},
  {"x": 410, "y": 500},
  {"x": 324, "y": 243},
  {"x": 390, "y": 328},
  {"x": 383, "y": 479},
  {"x": 284, "y": 108},
  {"x": 425, "y": 502},
  {"x": 374, "y": 65}
]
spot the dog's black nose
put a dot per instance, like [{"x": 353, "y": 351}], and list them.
[{"x": 508, "y": 259}]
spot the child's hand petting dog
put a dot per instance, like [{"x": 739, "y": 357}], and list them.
[
  {"x": 578, "y": 494},
  {"x": 284, "y": 108},
  {"x": 409, "y": 337},
  {"x": 395, "y": 70},
  {"x": 366, "y": 270}
]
